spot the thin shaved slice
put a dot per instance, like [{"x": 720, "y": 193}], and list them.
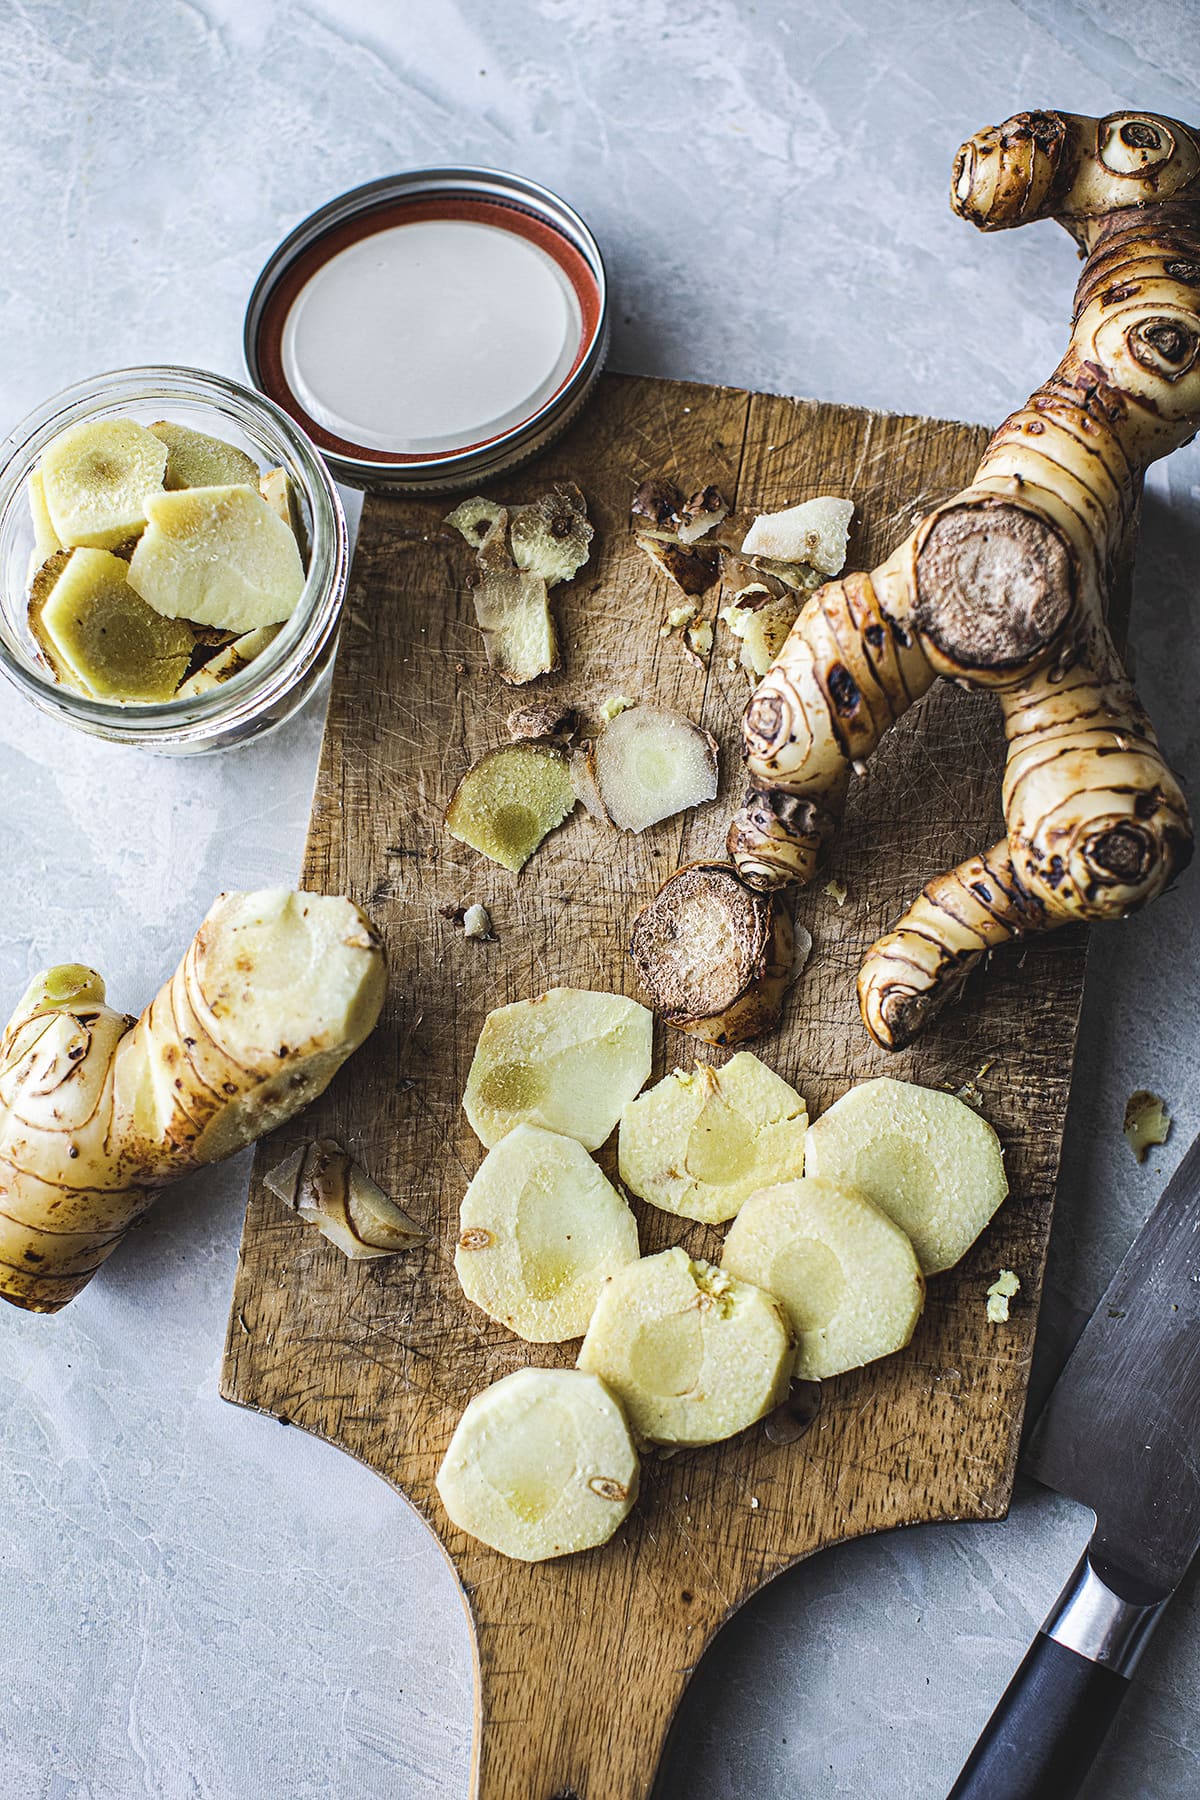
[
  {"x": 45, "y": 538},
  {"x": 567, "y": 1060},
  {"x": 701, "y": 514},
  {"x": 761, "y": 621},
  {"x": 229, "y": 661},
  {"x": 541, "y": 1464},
  {"x": 846, "y": 1276},
  {"x": 509, "y": 800},
  {"x": 815, "y": 532},
  {"x": 703, "y": 1140},
  {"x": 478, "y": 519},
  {"x": 218, "y": 556},
  {"x": 693, "y": 1354},
  {"x": 924, "y": 1157},
  {"x": 99, "y": 636},
  {"x": 541, "y": 1229},
  {"x": 692, "y": 567},
  {"x": 542, "y": 719},
  {"x": 96, "y": 477},
  {"x": 551, "y": 536},
  {"x": 714, "y": 955},
  {"x": 657, "y": 507},
  {"x": 650, "y": 764},
  {"x": 513, "y": 613},
  {"x": 325, "y": 1187},
  {"x": 194, "y": 459},
  {"x": 276, "y": 489},
  {"x": 1147, "y": 1122}
]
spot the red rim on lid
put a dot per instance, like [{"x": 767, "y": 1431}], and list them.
[{"x": 433, "y": 328}]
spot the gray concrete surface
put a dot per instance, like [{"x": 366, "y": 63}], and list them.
[{"x": 195, "y": 1602}]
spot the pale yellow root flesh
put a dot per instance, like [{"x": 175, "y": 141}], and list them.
[
  {"x": 540, "y": 1465},
  {"x": 510, "y": 800},
  {"x": 925, "y": 1158},
  {"x": 846, "y": 1276},
  {"x": 96, "y": 478},
  {"x": 540, "y": 1231},
  {"x": 692, "y": 1354},
  {"x": 567, "y": 1060},
  {"x": 217, "y": 556},
  {"x": 701, "y": 1141}
]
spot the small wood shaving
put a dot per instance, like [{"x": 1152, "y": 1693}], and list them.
[{"x": 970, "y": 1090}]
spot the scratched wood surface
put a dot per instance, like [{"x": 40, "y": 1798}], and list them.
[{"x": 581, "y": 1662}]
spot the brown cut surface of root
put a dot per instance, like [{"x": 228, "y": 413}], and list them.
[
  {"x": 650, "y": 764},
  {"x": 994, "y": 585},
  {"x": 509, "y": 800},
  {"x": 692, "y": 567},
  {"x": 714, "y": 955}
]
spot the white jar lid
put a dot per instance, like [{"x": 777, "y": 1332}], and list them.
[{"x": 431, "y": 328}]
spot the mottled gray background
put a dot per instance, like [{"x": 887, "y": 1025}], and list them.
[{"x": 193, "y": 1601}]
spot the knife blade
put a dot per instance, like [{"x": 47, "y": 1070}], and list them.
[{"x": 1120, "y": 1433}]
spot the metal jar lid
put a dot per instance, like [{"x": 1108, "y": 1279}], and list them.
[{"x": 431, "y": 329}]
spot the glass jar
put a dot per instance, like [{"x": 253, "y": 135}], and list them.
[{"x": 278, "y": 681}]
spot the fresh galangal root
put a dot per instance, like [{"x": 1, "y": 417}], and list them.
[
  {"x": 1004, "y": 587},
  {"x": 568, "y": 1060},
  {"x": 701, "y": 1141},
  {"x": 325, "y": 1187},
  {"x": 650, "y": 764},
  {"x": 693, "y": 1354},
  {"x": 541, "y": 1229},
  {"x": 522, "y": 552},
  {"x": 511, "y": 799},
  {"x": 844, "y": 1273},
  {"x": 541, "y": 1464},
  {"x": 925, "y": 1158},
  {"x": 208, "y": 568},
  {"x": 715, "y": 956},
  {"x": 98, "y": 1112}
]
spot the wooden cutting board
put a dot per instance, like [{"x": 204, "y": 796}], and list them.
[{"x": 581, "y": 1661}]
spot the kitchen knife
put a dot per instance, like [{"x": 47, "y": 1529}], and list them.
[{"x": 1120, "y": 1433}]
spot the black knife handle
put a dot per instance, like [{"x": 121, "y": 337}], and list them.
[{"x": 1043, "y": 1736}]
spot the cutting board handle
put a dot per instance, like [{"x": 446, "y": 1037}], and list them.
[{"x": 561, "y": 1714}]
